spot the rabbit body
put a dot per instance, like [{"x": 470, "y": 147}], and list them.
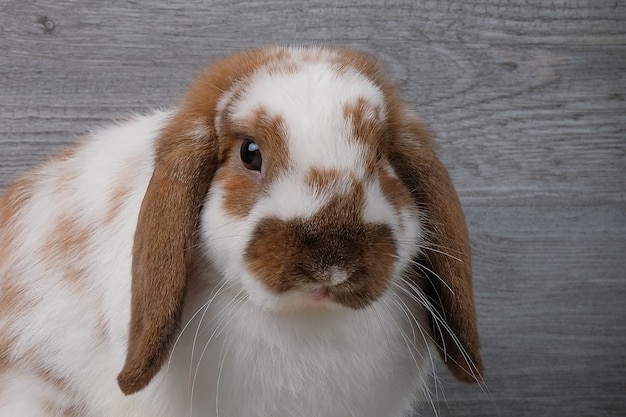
[
  {"x": 69, "y": 286},
  {"x": 260, "y": 243}
]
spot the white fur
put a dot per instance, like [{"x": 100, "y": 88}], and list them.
[{"x": 239, "y": 354}]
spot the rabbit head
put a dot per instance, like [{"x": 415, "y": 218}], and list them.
[{"x": 307, "y": 181}]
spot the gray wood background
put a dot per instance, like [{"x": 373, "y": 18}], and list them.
[{"x": 526, "y": 97}]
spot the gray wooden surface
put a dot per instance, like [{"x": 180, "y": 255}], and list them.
[{"x": 526, "y": 97}]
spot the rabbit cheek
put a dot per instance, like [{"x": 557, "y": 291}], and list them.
[{"x": 239, "y": 192}]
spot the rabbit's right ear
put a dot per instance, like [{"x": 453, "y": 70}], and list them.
[
  {"x": 186, "y": 158},
  {"x": 184, "y": 167}
]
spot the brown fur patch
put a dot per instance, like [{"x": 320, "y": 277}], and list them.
[
  {"x": 287, "y": 255},
  {"x": 241, "y": 189},
  {"x": 118, "y": 197},
  {"x": 72, "y": 411},
  {"x": 6, "y": 341},
  {"x": 367, "y": 128},
  {"x": 66, "y": 245},
  {"x": 270, "y": 131},
  {"x": 367, "y": 122},
  {"x": 350, "y": 59},
  {"x": 13, "y": 298},
  {"x": 321, "y": 179},
  {"x": 67, "y": 154}
]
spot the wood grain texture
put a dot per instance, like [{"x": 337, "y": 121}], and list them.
[{"x": 527, "y": 101}]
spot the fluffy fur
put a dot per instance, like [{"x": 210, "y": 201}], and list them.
[{"x": 149, "y": 271}]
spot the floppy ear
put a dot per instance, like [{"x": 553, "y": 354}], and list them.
[
  {"x": 184, "y": 166},
  {"x": 446, "y": 264}
]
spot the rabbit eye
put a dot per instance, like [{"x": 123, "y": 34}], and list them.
[{"x": 251, "y": 155}]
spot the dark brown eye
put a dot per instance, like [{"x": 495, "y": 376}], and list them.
[{"x": 251, "y": 155}]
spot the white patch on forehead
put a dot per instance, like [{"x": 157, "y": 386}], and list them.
[{"x": 310, "y": 98}]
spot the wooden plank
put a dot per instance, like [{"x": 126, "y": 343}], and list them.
[
  {"x": 527, "y": 100},
  {"x": 551, "y": 303}
]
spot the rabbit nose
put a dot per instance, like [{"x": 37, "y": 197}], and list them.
[
  {"x": 337, "y": 275},
  {"x": 328, "y": 258}
]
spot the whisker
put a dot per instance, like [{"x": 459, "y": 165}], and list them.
[
  {"x": 195, "y": 336},
  {"x": 439, "y": 251},
  {"x": 239, "y": 302},
  {"x": 426, "y": 338},
  {"x": 387, "y": 308},
  {"x": 425, "y": 268},
  {"x": 180, "y": 334},
  {"x": 420, "y": 297},
  {"x": 219, "y": 378}
]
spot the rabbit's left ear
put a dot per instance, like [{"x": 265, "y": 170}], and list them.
[
  {"x": 445, "y": 271},
  {"x": 184, "y": 167}
]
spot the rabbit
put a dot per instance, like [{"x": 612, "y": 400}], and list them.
[{"x": 283, "y": 243}]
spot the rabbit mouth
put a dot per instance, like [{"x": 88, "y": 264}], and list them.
[{"x": 324, "y": 297}]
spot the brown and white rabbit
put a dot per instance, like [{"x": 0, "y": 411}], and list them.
[{"x": 285, "y": 243}]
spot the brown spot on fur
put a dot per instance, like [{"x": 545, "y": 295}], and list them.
[
  {"x": 241, "y": 190},
  {"x": 118, "y": 197},
  {"x": 6, "y": 341},
  {"x": 67, "y": 245},
  {"x": 288, "y": 255},
  {"x": 13, "y": 298},
  {"x": 349, "y": 59},
  {"x": 320, "y": 179},
  {"x": 367, "y": 128},
  {"x": 270, "y": 133},
  {"x": 367, "y": 122}
]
